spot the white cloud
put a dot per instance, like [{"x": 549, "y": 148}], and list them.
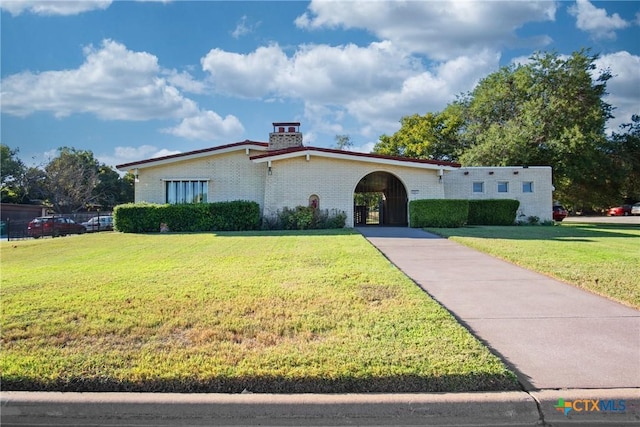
[
  {"x": 596, "y": 21},
  {"x": 122, "y": 155},
  {"x": 243, "y": 28},
  {"x": 249, "y": 75},
  {"x": 623, "y": 87},
  {"x": 185, "y": 82},
  {"x": 49, "y": 7},
  {"x": 442, "y": 29},
  {"x": 376, "y": 84},
  {"x": 113, "y": 83},
  {"x": 208, "y": 126}
]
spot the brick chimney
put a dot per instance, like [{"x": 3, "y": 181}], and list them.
[{"x": 285, "y": 135}]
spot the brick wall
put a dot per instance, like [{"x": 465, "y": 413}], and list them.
[
  {"x": 293, "y": 181},
  {"x": 232, "y": 176},
  {"x": 458, "y": 184}
]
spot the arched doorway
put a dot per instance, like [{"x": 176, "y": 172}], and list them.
[{"x": 380, "y": 199}]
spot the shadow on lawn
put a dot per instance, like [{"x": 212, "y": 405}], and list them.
[
  {"x": 393, "y": 384},
  {"x": 571, "y": 233}
]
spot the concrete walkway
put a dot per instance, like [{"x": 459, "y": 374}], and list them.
[{"x": 553, "y": 335}]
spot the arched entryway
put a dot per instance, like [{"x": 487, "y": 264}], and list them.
[{"x": 380, "y": 198}]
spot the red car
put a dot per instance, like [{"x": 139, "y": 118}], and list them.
[
  {"x": 559, "y": 213},
  {"x": 53, "y": 226},
  {"x": 623, "y": 210}
]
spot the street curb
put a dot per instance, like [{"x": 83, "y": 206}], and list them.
[
  {"x": 446, "y": 409},
  {"x": 594, "y": 406}
]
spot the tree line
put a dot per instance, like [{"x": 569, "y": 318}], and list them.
[
  {"x": 72, "y": 181},
  {"x": 547, "y": 112}
]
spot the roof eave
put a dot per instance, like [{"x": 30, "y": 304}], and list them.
[
  {"x": 190, "y": 155},
  {"x": 360, "y": 157}
]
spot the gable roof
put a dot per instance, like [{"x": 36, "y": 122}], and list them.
[
  {"x": 156, "y": 161},
  {"x": 289, "y": 153}
]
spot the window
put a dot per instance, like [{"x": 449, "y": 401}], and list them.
[
  {"x": 527, "y": 187},
  {"x": 478, "y": 187},
  {"x": 187, "y": 191},
  {"x": 503, "y": 187}
]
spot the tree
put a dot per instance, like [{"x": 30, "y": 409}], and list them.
[
  {"x": 70, "y": 180},
  {"x": 547, "y": 112},
  {"x": 432, "y": 136},
  {"x": 11, "y": 173},
  {"x": 624, "y": 150},
  {"x": 343, "y": 142},
  {"x": 111, "y": 189}
]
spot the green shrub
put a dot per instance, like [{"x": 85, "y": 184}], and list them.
[
  {"x": 304, "y": 218},
  {"x": 438, "y": 213},
  {"x": 137, "y": 217},
  {"x": 221, "y": 216},
  {"x": 493, "y": 212}
]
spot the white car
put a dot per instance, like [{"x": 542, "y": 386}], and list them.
[
  {"x": 99, "y": 223},
  {"x": 635, "y": 209}
]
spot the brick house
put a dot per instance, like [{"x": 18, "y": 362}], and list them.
[{"x": 285, "y": 173}]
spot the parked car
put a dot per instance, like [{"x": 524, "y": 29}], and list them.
[
  {"x": 53, "y": 226},
  {"x": 635, "y": 209},
  {"x": 559, "y": 213},
  {"x": 99, "y": 223},
  {"x": 623, "y": 210}
]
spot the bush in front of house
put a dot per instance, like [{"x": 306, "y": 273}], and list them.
[
  {"x": 137, "y": 217},
  {"x": 441, "y": 213},
  {"x": 304, "y": 218},
  {"x": 236, "y": 215},
  {"x": 493, "y": 212}
]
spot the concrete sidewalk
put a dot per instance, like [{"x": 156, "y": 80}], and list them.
[{"x": 553, "y": 335}]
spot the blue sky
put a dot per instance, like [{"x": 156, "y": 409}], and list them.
[{"x": 131, "y": 80}]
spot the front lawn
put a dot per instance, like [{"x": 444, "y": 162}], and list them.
[
  {"x": 266, "y": 312},
  {"x": 601, "y": 258}
]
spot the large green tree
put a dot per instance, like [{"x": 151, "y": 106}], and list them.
[
  {"x": 75, "y": 180},
  {"x": 624, "y": 150},
  {"x": 70, "y": 180},
  {"x": 432, "y": 136},
  {"x": 549, "y": 111},
  {"x": 11, "y": 173}
]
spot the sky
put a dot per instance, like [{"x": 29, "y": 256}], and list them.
[{"x": 132, "y": 80}]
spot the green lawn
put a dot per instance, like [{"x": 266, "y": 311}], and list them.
[
  {"x": 605, "y": 259},
  {"x": 266, "y": 312}
]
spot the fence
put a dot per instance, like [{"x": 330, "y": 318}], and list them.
[{"x": 18, "y": 229}]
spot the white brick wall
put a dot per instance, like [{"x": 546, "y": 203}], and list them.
[
  {"x": 292, "y": 181},
  {"x": 459, "y": 185},
  {"x": 233, "y": 176}
]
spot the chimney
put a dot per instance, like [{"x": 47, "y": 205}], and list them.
[{"x": 285, "y": 135}]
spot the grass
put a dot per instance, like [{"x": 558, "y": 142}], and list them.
[
  {"x": 266, "y": 312},
  {"x": 602, "y": 258}
]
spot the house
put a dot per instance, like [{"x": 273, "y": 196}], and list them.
[{"x": 369, "y": 188}]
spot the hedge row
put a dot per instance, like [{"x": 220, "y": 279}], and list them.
[
  {"x": 493, "y": 212},
  {"x": 221, "y": 216},
  {"x": 456, "y": 213},
  {"x": 438, "y": 213}
]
